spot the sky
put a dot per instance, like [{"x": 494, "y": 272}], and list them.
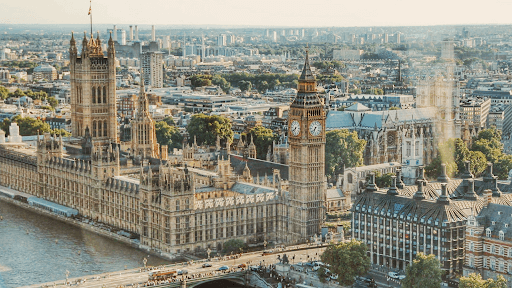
[{"x": 279, "y": 13}]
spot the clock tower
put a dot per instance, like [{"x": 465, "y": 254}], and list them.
[{"x": 306, "y": 132}]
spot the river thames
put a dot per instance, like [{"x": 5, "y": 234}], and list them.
[{"x": 37, "y": 249}]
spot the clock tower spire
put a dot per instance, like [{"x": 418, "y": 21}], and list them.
[{"x": 307, "y": 159}]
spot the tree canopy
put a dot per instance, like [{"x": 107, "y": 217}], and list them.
[
  {"x": 4, "y": 93},
  {"x": 342, "y": 149},
  {"x": 53, "y": 102},
  {"x": 169, "y": 120},
  {"x": 424, "y": 272},
  {"x": 233, "y": 245},
  {"x": 348, "y": 260},
  {"x": 168, "y": 135},
  {"x": 475, "y": 280},
  {"x": 206, "y": 129},
  {"x": 262, "y": 138}
]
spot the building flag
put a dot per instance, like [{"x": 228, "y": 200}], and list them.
[{"x": 90, "y": 4}]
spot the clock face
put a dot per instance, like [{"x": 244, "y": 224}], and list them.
[
  {"x": 315, "y": 128},
  {"x": 295, "y": 127}
]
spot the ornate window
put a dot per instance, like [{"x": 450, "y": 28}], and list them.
[
  {"x": 105, "y": 128},
  {"x": 502, "y": 235},
  {"x": 471, "y": 246},
  {"x": 178, "y": 205},
  {"x": 93, "y": 95},
  {"x": 488, "y": 232},
  {"x": 104, "y": 94}
]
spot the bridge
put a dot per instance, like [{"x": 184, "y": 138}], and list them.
[{"x": 196, "y": 273}]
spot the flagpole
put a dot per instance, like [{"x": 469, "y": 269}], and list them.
[{"x": 90, "y": 13}]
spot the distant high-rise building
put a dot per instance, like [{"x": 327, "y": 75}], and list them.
[
  {"x": 302, "y": 33},
  {"x": 121, "y": 36},
  {"x": 93, "y": 90},
  {"x": 221, "y": 40},
  {"x": 152, "y": 69},
  {"x": 274, "y": 36}
]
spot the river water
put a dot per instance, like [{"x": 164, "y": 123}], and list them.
[{"x": 37, "y": 249}]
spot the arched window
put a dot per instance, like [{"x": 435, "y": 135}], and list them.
[
  {"x": 105, "y": 128},
  {"x": 93, "y": 95},
  {"x": 502, "y": 235},
  {"x": 99, "y": 128},
  {"x": 488, "y": 232},
  {"x": 94, "y": 128},
  {"x": 349, "y": 178},
  {"x": 104, "y": 94},
  {"x": 177, "y": 205},
  {"x": 186, "y": 204}
]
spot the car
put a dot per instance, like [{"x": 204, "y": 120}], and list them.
[
  {"x": 334, "y": 277},
  {"x": 254, "y": 268},
  {"x": 366, "y": 279},
  {"x": 316, "y": 268},
  {"x": 207, "y": 265},
  {"x": 182, "y": 272},
  {"x": 223, "y": 268},
  {"x": 395, "y": 275},
  {"x": 243, "y": 265}
]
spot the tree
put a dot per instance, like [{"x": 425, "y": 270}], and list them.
[
  {"x": 30, "y": 126},
  {"x": 53, "y": 102},
  {"x": 477, "y": 161},
  {"x": 262, "y": 138},
  {"x": 222, "y": 83},
  {"x": 199, "y": 80},
  {"x": 168, "y": 135},
  {"x": 233, "y": 245},
  {"x": 4, "y": 93},
  {"x": 169, "y": 120},
  {"x": 322, "y": 274},
  {"x": 424, "y": 272},
  {"x": 489, "y": 143},
  {"x": 502, "y": 167},
  {"x": 207, "y": 128},
  {"x": 245, "y": 85},
  {"x": 347, "y": 260},
  {"x": 394, "y": 108},
  {"x": 383, "y": 180},
  {"x": 475, "y": 280},
  {"x": 60, "y": 132},
  {"x": 342, "y": 149},
  {"x": 453, "y": 153},
  {"x": 4, "y": 125}
]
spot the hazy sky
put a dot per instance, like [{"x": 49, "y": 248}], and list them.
[{"x": 298, "y": 13}]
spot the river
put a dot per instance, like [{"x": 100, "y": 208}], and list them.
[{"x": 37, "y": 249}]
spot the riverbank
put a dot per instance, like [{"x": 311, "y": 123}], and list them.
[{"x": 108, "y": 234}]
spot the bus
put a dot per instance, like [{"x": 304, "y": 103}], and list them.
[{"x": 162, "y": 275}]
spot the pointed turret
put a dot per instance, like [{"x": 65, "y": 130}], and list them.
[
  {"x": 306, "y": 96},
  {"x": 84, "y": 45},
  {"x": 306, "y": 74}
]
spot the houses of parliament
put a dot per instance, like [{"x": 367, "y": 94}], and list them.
[{"x": 175, "y": 203}]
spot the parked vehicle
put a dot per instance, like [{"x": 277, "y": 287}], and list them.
[
  {"x": 207, "y": 265},
  {"x": 223, "y": 268}
]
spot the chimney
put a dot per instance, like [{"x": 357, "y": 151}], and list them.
[
  {"x": 371, "y": 187},
  {"x": 136, "y": 33},
  {"x": 399, "y": 182},
  {"x": 470, "y": 190},
  {"x": 153, "y": 36},
  {"x": 419, "y": 195},
  {"x": 467, "y": 171},
  {"x": 131, "y": 33},
  {"x": 495, "y": 190},
  {"x": 443, "y": 199},
  {"x": 392, "y": 190},
  {"x": 487, "y": 197},
  {"x": 115, "y": 33},
  {"x": 443, "y": 177}
]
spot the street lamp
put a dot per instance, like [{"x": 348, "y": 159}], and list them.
[
  {"x": 265, "y": 244},
  {"x": 209, "y": 251},
  {"x": 145, "y": 261},
  {"x": 67, "y": 276}
]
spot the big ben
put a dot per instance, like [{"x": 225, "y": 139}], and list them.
[{"x": 306, "y": 128}]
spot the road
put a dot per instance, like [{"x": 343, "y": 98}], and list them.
[{"x": 135, "y": 276}]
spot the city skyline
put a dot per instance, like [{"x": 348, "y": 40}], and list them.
[{"x": 283, "y": 13}]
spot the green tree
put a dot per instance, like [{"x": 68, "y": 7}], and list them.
[
  {"x": 199, "y": 80},
  {"x": 424, "y": 272},
  {"x": 53, "y": 102},
  {"x": 342, "y": 149},
  {"x": 453, "y": 153},
  {"x": 245, "y": 85},
  {"x": 322, "y": 274},
  {"x": 222, "y": 83},
  {"x": 383, "y": 180},
  {"x": 30, "y": 126},
  {"x": 169, "y": 120},
  {"x": 502, "y": 167},
  {"x": 207, "y": 128},
  {"x": 60, "y": 132},
  {"x": 478, "y": 162},
  {"x": 4, "y": 93},
  {"x": 17, "y": 93},
  {"x": 394, "y": 108},
  {"x": 475, "y": 280},
  {"x": 262, "y": 138},
  {"x": 348, "y": 260},
  {"x": 168, "y": 135},
  {"x": 4, "y": 125},
  {"x": 233, "y": 245}
]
